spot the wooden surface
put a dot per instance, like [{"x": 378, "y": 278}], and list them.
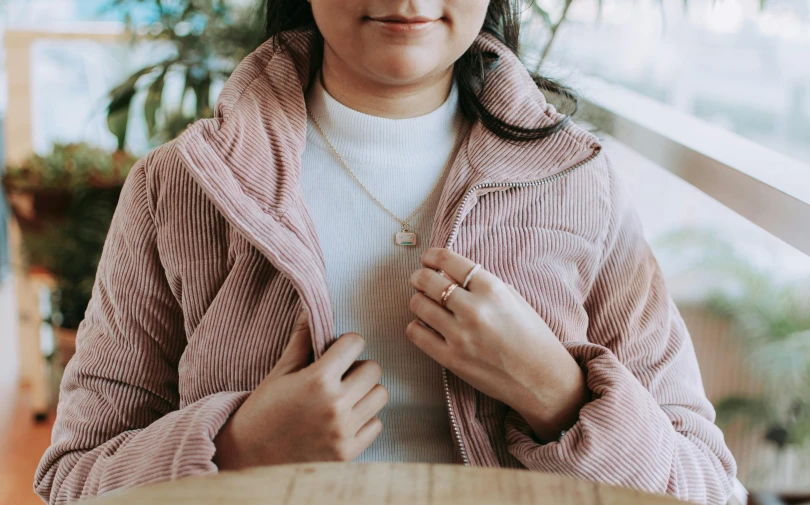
[{"x": 380, "y": 483}]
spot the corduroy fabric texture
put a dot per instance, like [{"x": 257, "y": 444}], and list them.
[{"x": 212, "y": 253}]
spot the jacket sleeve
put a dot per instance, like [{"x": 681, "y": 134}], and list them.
[
  {"x": 649, "y": 424},
  {"x": 118, "y": 422}
]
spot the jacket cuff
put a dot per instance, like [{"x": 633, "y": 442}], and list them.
[
  {"x": 621, "y": 433},
  {"x": 180, "y": 444}
]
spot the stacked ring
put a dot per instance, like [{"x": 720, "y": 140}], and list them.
[
  {"x": 447, "y": 292},
  {"x": 470, "y": 275}
]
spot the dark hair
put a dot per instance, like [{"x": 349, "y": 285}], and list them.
[{"x": 470, "y": 71}]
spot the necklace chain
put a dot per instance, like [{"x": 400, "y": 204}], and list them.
[{"x": 405, "y": 224}]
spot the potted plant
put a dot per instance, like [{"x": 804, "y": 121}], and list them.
[
  {"x": 771, "y": 317},
  {"x": 65, "y": 202},
  {"x": 40, "y": 188}
]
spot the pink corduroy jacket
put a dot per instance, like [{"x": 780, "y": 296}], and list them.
[{"x": 212, "y": 253}]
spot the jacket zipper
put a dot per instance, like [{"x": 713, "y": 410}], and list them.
[{"x": 451, "y": 240}]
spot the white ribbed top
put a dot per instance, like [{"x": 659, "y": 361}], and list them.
[{"x": 399, "y": 161}]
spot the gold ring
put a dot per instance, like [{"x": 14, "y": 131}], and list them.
[{"x": 447, "y": 292}]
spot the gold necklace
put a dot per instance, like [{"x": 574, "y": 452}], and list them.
[{"x": 406, "y": 237}]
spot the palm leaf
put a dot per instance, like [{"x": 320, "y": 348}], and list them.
[
  {"x": 154, "y": 98},
  {"x": 120, "y": 101},
  {"x": 202, "y": 90},
  {"x": 754, "y": 411},
  {"x": 117, "y": 122},
  {"x": 786, "y": 361}
]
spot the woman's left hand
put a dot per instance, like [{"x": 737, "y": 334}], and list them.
[{"x": 490, "y": 337}]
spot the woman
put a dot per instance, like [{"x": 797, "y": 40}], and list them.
[{"x": 391, "y": 174}]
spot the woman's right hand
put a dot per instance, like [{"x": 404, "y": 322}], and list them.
[{"x": 304, "y": 411}]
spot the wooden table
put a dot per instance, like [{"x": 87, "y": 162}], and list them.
[{"x": 377, "y": 484}]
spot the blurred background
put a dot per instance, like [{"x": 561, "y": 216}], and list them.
[{"x": 703, "y": 105}]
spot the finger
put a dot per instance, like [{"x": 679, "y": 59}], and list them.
[
  {"x": 513, "y": 290},
  {"x": 341, "y": 354},
  {"x": 434, "y": 285},
  {"x": 360, "y": 379},
  {"x": 435, "y": 316},
  {"x": 369, "y": 406},
  {"x": 457, "y": 267},
  {"x": 298, "y": 353},
  {"x": 428, "y": 341},
  {"x": 366, "y": 435}
]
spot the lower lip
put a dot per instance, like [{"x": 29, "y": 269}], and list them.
[{"x": 399, "y": 27}]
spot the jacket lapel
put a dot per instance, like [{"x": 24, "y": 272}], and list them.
[{"x": 247, "y": 160}]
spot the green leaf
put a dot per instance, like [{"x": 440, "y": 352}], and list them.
[
  {"x": 186, "y": 87},
  {"x": 175, "y": 125},
  {"x": 785, "y": 362},
  {"x": 799, "y": 432},
  {"x": 755, "y": 411},
  {"x": 154, "y": 98},
  {"x": 120, "y": 100},
  {"x": 117, "y": 122},
  {"x": 122, "y": 94},
  {"x": 202, "y": 90}
]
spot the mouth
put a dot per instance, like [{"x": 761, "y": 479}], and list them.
[
  {"x": 404, "y": 19},
  {"x": 404, "y": 24}
]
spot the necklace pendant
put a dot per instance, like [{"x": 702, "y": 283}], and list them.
[{"x": 405, "y": 238}]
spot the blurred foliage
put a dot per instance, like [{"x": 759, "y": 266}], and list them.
[
  {"x": 70, "y": 249},
  {"x": 67, "y": 167},
  {"x": 210, "y": 37},
  {"x": 773, "y": 321},
  {"x": 74, "y": 191}
]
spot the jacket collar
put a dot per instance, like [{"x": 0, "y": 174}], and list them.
[
  {"x": 247, "y": 157},
  {"x": 261, "y": 116}
]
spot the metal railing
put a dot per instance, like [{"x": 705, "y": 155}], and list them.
[{"x": 757, "y": 183}]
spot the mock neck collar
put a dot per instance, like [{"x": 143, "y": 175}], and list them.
[{"x": 375, "y": 140}]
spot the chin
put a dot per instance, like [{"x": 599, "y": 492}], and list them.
[{"x": 403, "y": 69}]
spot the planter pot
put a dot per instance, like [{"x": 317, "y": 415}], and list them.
[
  {"x": 35, "y": 208},
  {"x": 65, "y": 344}
]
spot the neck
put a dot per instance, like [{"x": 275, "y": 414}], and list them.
[
  {"x": 394, "y": 101},
  {"x": 380, "y": 141}
]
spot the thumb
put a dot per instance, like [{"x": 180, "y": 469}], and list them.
[{"x": 298, "y": 353}]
